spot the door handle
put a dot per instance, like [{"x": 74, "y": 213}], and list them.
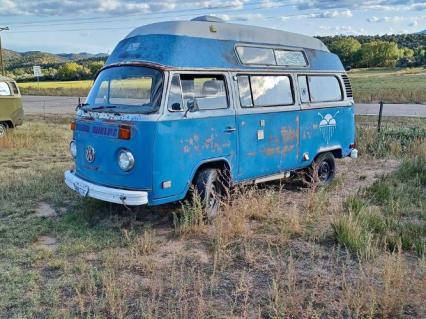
[{"x": 230, "y": 129}]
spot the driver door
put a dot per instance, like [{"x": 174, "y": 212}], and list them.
[{"x": 188, "y": 138}]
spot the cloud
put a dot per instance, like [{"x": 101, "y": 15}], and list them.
[
  {"x": 388, "y": 5},
  {"x": 332, "y": 14},
  {"x": 414, "y": 24},
  {"x": 396, "y": 19},
  {"x": 343, "y": 29},
  {"x": 332, "y": 8},
  {"x": 240, "y": 17},
  {"x": 110, "y": 7}
]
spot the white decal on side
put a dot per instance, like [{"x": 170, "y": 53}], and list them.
[{"x": 328, "y": 126}]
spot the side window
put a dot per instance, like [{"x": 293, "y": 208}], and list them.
[
  {"x": 325, "y": 89},
  {"x": 256, "y": 56},
  {"x": 319, "y": 88},
  {"x": 4, "y": 89},
  {"x": 208, "y": 91},
  {"x": 175, "y": 102},
  {"x": 304, "y": 89},
  {"x": 266, "y": 90}
]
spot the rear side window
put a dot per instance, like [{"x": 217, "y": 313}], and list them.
[
  {"x": 4, "y": 89},
  {"x": 265, "y": 90},
  {"x": 208, "y": 91},
  {"x": 319, "y": 88}
]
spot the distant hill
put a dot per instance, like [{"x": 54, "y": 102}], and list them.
[
  {"x": 423, "y": 32},
  {"x": 81, "y": 56},
  {"x": 15, "y": 59}
]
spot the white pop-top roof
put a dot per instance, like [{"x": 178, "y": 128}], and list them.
[{"x": 201, "y": 28}]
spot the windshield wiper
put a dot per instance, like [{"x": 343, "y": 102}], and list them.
[{"x": 102, "y": 107}]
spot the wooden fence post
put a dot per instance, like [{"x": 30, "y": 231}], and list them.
[{"x": 379, "y": 124}]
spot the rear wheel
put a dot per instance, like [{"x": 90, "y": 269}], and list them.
[
  {"x": 322, "y": 170},
  {"x": 210, "y": 188},
  {"x": 3, "y": 129}
]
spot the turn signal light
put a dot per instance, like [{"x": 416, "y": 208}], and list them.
[
  {"x": 124, "y": 132},
  {"x": 72, "y": 126}
]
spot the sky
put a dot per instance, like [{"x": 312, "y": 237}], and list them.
[{"x": 95, "y": 26}]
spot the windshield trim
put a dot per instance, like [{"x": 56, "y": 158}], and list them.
[{"x": 128, "y": 109}]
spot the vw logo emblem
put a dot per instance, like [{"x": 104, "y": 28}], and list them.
[{"x": 90, "y": 154}]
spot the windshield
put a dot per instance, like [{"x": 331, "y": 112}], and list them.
[{"x": 126, "y": 89}]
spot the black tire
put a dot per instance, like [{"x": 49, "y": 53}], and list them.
[
  {"x": 323, "y": 170},
  {"x": 209, "y": 187},
  {"x": 3, "y": 129}
]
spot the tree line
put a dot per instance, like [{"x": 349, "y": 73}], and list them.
[
  {"x": 379, "y": 51},
  {"x": 68, "y": 71}
]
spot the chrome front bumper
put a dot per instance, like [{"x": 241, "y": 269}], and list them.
[{"x": 108, "y": 194}]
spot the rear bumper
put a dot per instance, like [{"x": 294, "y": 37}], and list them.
[{"x": 108, "y": 194}]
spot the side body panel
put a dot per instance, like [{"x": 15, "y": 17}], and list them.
[
  {"x": 268, "y": 143},
  {"x": 326, "y": 129},
  {"x": 182, "y": 145}
]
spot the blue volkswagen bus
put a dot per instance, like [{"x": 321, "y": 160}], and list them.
[{"x": 205, "y": 103}]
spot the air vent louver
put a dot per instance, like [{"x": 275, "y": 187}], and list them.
[{"x": 348, "y": 86}]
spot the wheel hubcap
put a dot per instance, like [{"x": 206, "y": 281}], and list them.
[{"x": 324, "y": 171}]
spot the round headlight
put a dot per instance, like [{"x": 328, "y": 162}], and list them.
[
  {"x": 126, "y": 161},
  {"x": 73, "y": 149}
]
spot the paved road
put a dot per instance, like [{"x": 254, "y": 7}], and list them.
[{"x": 66, "y": 105}]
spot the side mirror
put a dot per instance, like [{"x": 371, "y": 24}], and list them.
[
  {"x": 176, "y": 107},
  {"x": 191, "y": 106},
  {"x": 348, "y": 68}
]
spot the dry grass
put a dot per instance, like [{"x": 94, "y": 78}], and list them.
[{"x": 271, "y": 253}]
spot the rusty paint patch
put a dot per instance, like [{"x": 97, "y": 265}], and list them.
[
  {"x": 269, "y": 151},
  {"x": 274, "y": 139},
  {"x": 287, "y": 149},
  {"x": 288, "y": 134}
]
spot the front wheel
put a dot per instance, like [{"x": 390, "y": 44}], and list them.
[
  {"x": 322, "y": 170},
  {"x": 210, "y": 189},
  {"x": 3, "y": 129}
]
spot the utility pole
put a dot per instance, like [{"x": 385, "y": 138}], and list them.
[{"x": 1, "y": 50}]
